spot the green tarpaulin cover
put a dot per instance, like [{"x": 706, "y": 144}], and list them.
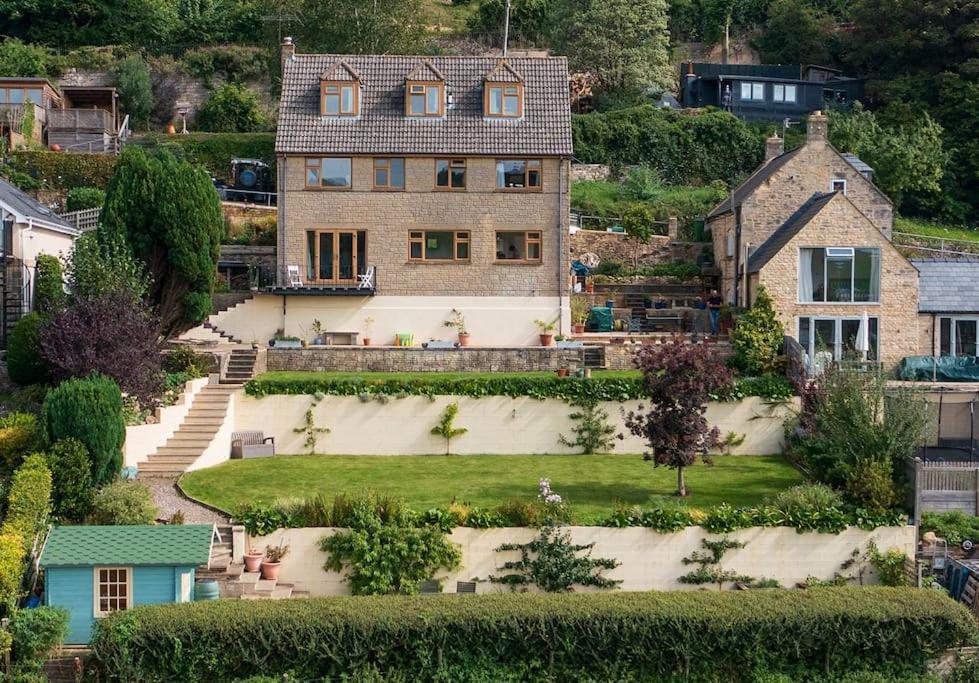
[
  {"x": 600, "y": 319},
  {"x": 940, "y": 368}
]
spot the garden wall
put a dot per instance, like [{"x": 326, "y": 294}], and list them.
[
  {"x": 143, "y": 440},
  {"x": 649, "y": 560},
  {"x": 415, "y": 359},
  {"x": 496, "y": 424}
]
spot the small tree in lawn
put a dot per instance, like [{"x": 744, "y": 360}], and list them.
[
  {"x": 638, "y": 224},
  {"x": 678, "y": 379}
]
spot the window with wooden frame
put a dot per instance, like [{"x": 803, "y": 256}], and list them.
[
  {"x": 504, "y": 100},
  {"x": 389, "y": 174},
  {"x": 518, "y": 174},
  {"x": 523, "y": 246},
  {"x": 331, "y": 173},
  {"x": 424, "y": 99},
  {"x": 113, "y": 589},
  {"x": 450, "y": 174},
  {"x": 339, "y": 98},
  {"x": 438, "y": 245}
]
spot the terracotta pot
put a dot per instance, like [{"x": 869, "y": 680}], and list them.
[
  {"x": 546, "y": 339},
  {"x": 253, "y": 561},
  {"x": 579, "y": 328},
  {"x": 171, "y": 129},
  {"x": 563, "y": 372},
  {"x": 589, "y": 288},
  {"x": 56, "y": 148},
  {"x": 367, "y": 341},
  {"x": 270, "y": 570},
  {"x": 464, "y": 339}
]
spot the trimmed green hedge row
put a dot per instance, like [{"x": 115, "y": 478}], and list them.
[
  {"x": 565, "y": 388},
  {"x": 214, "y": 151},
  {"x": 702, "y": 636},
  {"x": 63, "y": 170}
]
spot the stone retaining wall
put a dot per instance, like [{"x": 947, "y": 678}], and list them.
[
  {"x": 414, "y": 359},
  {"x": 589, "y": 172},
  {"x": 610, "y": 246}
]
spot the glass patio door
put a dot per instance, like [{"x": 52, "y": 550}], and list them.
[{"x": 336, "y": 256}]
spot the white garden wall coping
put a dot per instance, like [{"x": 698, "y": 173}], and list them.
[
  {"x": 649, "y": 560},
  {"x": 143, "y": 440},
  {"x": 496, "y": 424}
]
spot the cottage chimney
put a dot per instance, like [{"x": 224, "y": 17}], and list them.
[
  {"x": 774, "y": 147},
  {"x": 288, "y": 49},
  {"x": 817, "y": 129}
]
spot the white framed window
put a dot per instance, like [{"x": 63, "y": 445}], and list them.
[
  {"x": 839, "y": 337},
  {"x": 837, "y": 185},
  {"x": 753, "y": 91},
  {"x": 839, "y": 275},
  {"x": 957, "y": 336},
  {"x": 783, "y": 93},
  {"x": 113, "y": 589}
]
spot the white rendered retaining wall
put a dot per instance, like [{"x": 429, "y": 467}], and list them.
[
  {"x": 496, "y": 424},
  {"x": 649, "y": 560},
  {"x": 143, "y": 440}
]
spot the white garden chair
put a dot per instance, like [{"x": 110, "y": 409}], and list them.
[
  {"x": 366, "y": 280},
  {"x": 292, "y": 273}
]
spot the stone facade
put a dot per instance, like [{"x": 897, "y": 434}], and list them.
[
  {"x": 811, "y": 170},
  {"x": 381, "y": 359},
  {"x": 611, "y": 246},
  {"x": 841, "y": 224},
  {"x": 387, "y": 217}
]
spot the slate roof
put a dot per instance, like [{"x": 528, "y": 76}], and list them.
[
  {"x": 383, "y": 128},
  {"x": 25, "y": 206},
  {"x": 86, "y": 546},
  {"x": 862, "y": 166},
  {"x": 948, "y": 286},
  {"x": 754, "y": 181},
  {"x": 789, "y": 229}
]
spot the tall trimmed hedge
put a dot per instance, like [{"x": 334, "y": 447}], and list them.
[
  {"x": 24, "y": 363},
  {"x": 214, "y": 151},
  {"x": 708, "y": 636},
  {"x": 89, "y": 410},
  {"x": 63, "y": 171},
  {"x": 49, "y": 285}
]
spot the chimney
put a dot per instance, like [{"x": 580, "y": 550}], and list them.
[
  {"x": 817, "y": 129},
  {"x": 288, "y": 49},
  {"x": 774, "y": 147}
]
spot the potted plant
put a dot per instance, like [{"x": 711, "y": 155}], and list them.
[
  {"x": 253, "y": 560},
  {"x": 546, "y": 331},
  {"x": 368, "y": 325},
  {"x": 318, "y": 331},
  {"x": 563, "y": 372},
  {"x": 273, "y": 560},
  {"x": 580, "y": 310},
  {"x": 458, "y": 321},
  {"x": 589, "y": 285}
]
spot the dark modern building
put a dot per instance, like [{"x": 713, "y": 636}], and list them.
[{"x": 766, "y": 92}]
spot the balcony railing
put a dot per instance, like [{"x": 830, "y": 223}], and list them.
[
  {"x": 80, "y": 119},
  {"x": 12, "y": 115}
]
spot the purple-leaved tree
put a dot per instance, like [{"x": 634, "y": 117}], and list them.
[{"x": 678, "y": 379}]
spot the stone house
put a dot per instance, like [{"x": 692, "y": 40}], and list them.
[
  {"x": 948, "y": 307},
  {"x": 412, "y": 186}
]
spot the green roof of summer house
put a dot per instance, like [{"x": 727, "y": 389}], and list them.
[{"x": 84, "y": 546}]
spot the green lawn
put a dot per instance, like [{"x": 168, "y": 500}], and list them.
[
  {"x": 932, "y": 229},
  {"x": 302, "y": 376},
  {"x": 592, "y": 483}
]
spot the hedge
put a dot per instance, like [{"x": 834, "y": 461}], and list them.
[
  {"x": 214, "y": 151},
  {"x": 63, "y": 171},
  {"x": 703, "y": 636},
  {"x": 29, "y": 502},
  {"x": 565, "y": 388}
]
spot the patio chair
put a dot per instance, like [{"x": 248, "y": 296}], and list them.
[
  {"x": 429, "y": 588},
  {"x": 251, "y": 445},
  {"x": 366, "y": 281},
  {"x": 466, "y": 587},
  {"x": 295, "y": 279}
]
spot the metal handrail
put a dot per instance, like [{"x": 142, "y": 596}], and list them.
[{"x": 942, "y": 241}]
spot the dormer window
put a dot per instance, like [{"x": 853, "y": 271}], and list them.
[
  {"x": 340, "y": 91},
  {"x": 425, "y": 99},
  {"x": 504, "y": 99},
  {"x": 340, "y": 98}
]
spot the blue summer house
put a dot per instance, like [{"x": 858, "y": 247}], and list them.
[{"x": 93, "y": 571}]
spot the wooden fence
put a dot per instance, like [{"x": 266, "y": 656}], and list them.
[
  {"x": 86, "y": 219},
  {"x": 945, "y": 486}
]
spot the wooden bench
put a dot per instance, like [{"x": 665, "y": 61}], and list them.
[
  {"x": 674, "y": 321},
  {"x": 251, "y": 445}
]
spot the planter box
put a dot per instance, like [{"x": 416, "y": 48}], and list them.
[{"x": 286, "y": 344}]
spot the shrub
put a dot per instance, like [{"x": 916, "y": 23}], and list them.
[
  {"x": 24, "y": 363},
  {"x": 124, "y": 502},
  {"x": 71, "y": 474},
  {"x": 553, "y": 564},
  {"x": 29, "y": 502},
  {"x": 12, "y": 566},
  {"x": 954, "y": 526},
  {"x": 80, "y": 198},
  {"x": 89, "y": 410},
  {"x": 185, "y": 360},
  {"x": 23, "y": 60},
  {"x": 758, "y": 337},
  {"x": 49, "y": 285},
  {"x": 806, "y": 498},
  {"x": 95, "y": 270},
  {"x": 60, "y": 171},
  {"x": 237, "y": 63},
  {"x": 709, "y": 636},
  {"x": 232, "y": 108},
  {"x": 114, "y": 335},
  {"x": 135, "y": 89},
  {"x": 870, "y": 484},
  {"x": 20, "y": 435},
  {"x": 36, "y": 632},
  {"x": 214, "y": 151},
  {"x": 592, "y": 431}
]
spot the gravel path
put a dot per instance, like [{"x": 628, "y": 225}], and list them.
[{"x": 169, "y": 500}]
